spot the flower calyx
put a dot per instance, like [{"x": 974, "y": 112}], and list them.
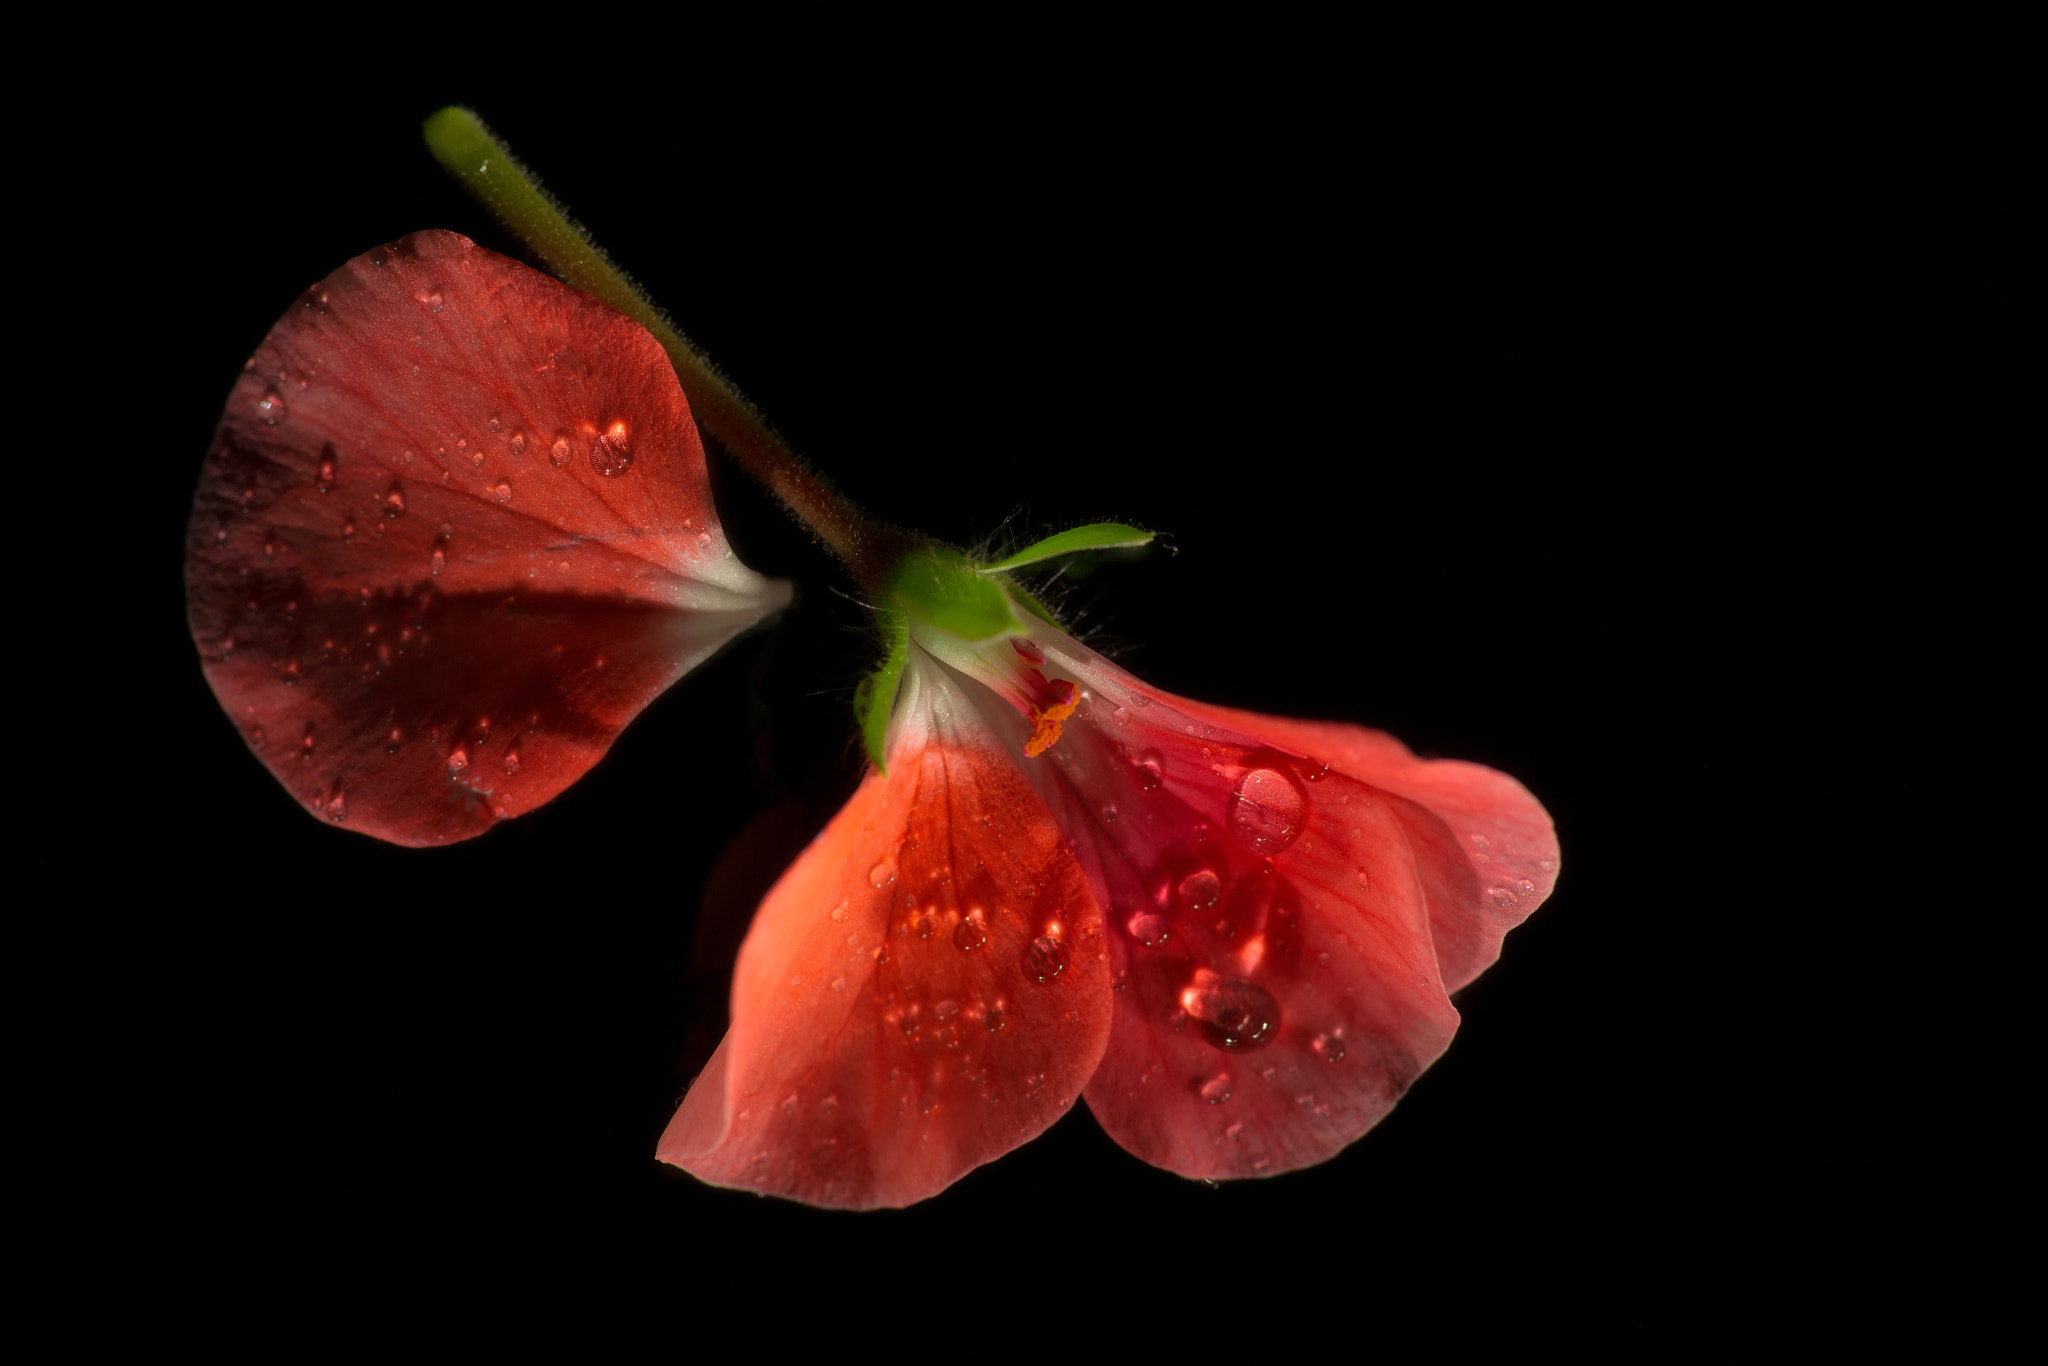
[{"x": 974, "y": 618}]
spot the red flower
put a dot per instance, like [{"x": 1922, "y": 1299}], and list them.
[
  {"x": 1235, "y": 935},
  {"x": 454, "y": 532}
]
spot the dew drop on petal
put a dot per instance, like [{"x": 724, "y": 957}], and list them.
[
  {"x": 609, "y": 457},
  {"x": 1502, "y": 897},
  {"x": 458, "y": 761},
  {"x": 1149, "y": 769},
  {"x": 560, "y": 453},
  {"x": 1216, "y": 1089},
  {"x": 883, "y": 873},
  {"x": 1328, "y": 1047},
  {"x": 1236, "y": 1016},
  {"x": 1267, "y": 811},
  {"x": 994, "y": 1020},
  {"x": 325, "y": 481},
  {"x": 493, "y": 426},
  {"x": 839, "y": 913},
  {"x": 1199, "y": 890},
  {"x": 519, "y": 443},
  {"x": 270, "y": 407},
  {"x": 946, "y": 1009},
  {"x": 432, "y": 301},
  {"x": 969, "y": 935},
  {"x": 337, "y": 806},
  {"x": 1044, "y": 959},
  {"x": 393, "y": 501},
  {"x": 1149, "y": 929},
  {"x": 925, "y": 927},
  {"x": 503, "y": 493}
]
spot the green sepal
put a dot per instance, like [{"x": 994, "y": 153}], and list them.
[
  {"x": 875, "y": 699},
  {"x": 945, "y": 589},
  {"x": 1098, "y": 536},
  {"x": 1032, "y": 604}
]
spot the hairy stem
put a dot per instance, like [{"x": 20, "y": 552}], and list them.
[{"x": 461, "y": 143}]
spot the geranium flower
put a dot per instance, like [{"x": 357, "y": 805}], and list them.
[
  {"x": 455, "y": 530},
  {"x": 1235, "y": 935}
]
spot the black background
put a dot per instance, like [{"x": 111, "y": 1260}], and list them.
[{"x": 1422, "y": 393}]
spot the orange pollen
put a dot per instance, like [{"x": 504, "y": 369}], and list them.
[{"x": 1047, "y": 720}]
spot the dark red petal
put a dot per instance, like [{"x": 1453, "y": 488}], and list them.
[
  {"x": 1275, "y": 917},
  {"x": 925, "y": 989},
  {"x": 1486, "y": 847},
  {"x": 453, "y": 533}
]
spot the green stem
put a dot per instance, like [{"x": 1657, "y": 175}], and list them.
[{"x": 461, "y": 143}]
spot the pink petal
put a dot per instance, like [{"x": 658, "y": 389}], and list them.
[
  {"x": 454, "y": 532},
  {"x": 1275, "y": 914},
  {"x": 924, "y": 990}
]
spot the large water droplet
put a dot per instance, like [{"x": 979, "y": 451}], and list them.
[
  {"x": 969, "y": 935},
  {"x": 1199, "y": 890},
  {"x": 1235, "y": 1015},
  {"x": 1149, "y": 929},
  {"x": 1044, "y": 959},
  {"x": 1216, "y": 1089},
  {"x": 1267, "y": 811},
  {"x": 609, "y": 456},
  {"x": 883, "y": 873},
  {"x": 1149, "y": 770},
  {"x": 270, "y": 407}
]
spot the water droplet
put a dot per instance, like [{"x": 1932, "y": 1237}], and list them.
[
  {"x": 512, "y": 763},
  {"x": 306, "y": 742},
  {"x": 325, "y": 480},
  {"x": 519, "y": 443},
  {"x": 493, "y": 427},
  {"x": 969, "y": 935},
  {"x": 995, "y": 1020},
  {"x": 838, "y": 984},
  {"x": 393, "y": 501},
  {"x": 1121, "y": 716},
  {"x": 256, "y": 737},
  {"x": 609, "y": 456},
  {"x": 1201, "y": 832},
  {"x": 839, "y": 913},
  {"x": 458, "y": 761},
  {"x": 883, "y": 873},
  {"x": 1149, "y": 929},
  {"x": 1235, "y": 1015},
  {"x": 503, "y": 493},
  {"x": 1149, "y": 771},
  {"x": 439, "y": 559},
  {"x": 1109, "y": 815},
  {"x": 1328, "y": 1047},
  {"x": 559, "y": 453},
  {"x": 1044, "y": 958},
  {"x": 1199, "y": 890},
  {"x": 337, "y": 805},
  {"x": 925, "y": 927},
  {"x": 1140, "y": 700},
  {"x": 1267, "y": 811},
  {"x": 946, "y": 1009},
  {"x": 348, "y": 528},
  {"x": 270, "y": 407},
  {"x": 432, "y": 301},
  {"x": 1216, "y": 1089}
]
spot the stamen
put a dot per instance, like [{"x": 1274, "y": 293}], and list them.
[{"x": 1047, "y": 719}]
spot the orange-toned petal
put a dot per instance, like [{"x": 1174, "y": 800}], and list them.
[
  {"x": 454, "y": 532},
  {"x": 925, "y": 989}
]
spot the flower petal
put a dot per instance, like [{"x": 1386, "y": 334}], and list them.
[
  {"x": 454, "y": 532},
  {"x": 1273, "y": 915},
  {"x": 925, "y": 989}
]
